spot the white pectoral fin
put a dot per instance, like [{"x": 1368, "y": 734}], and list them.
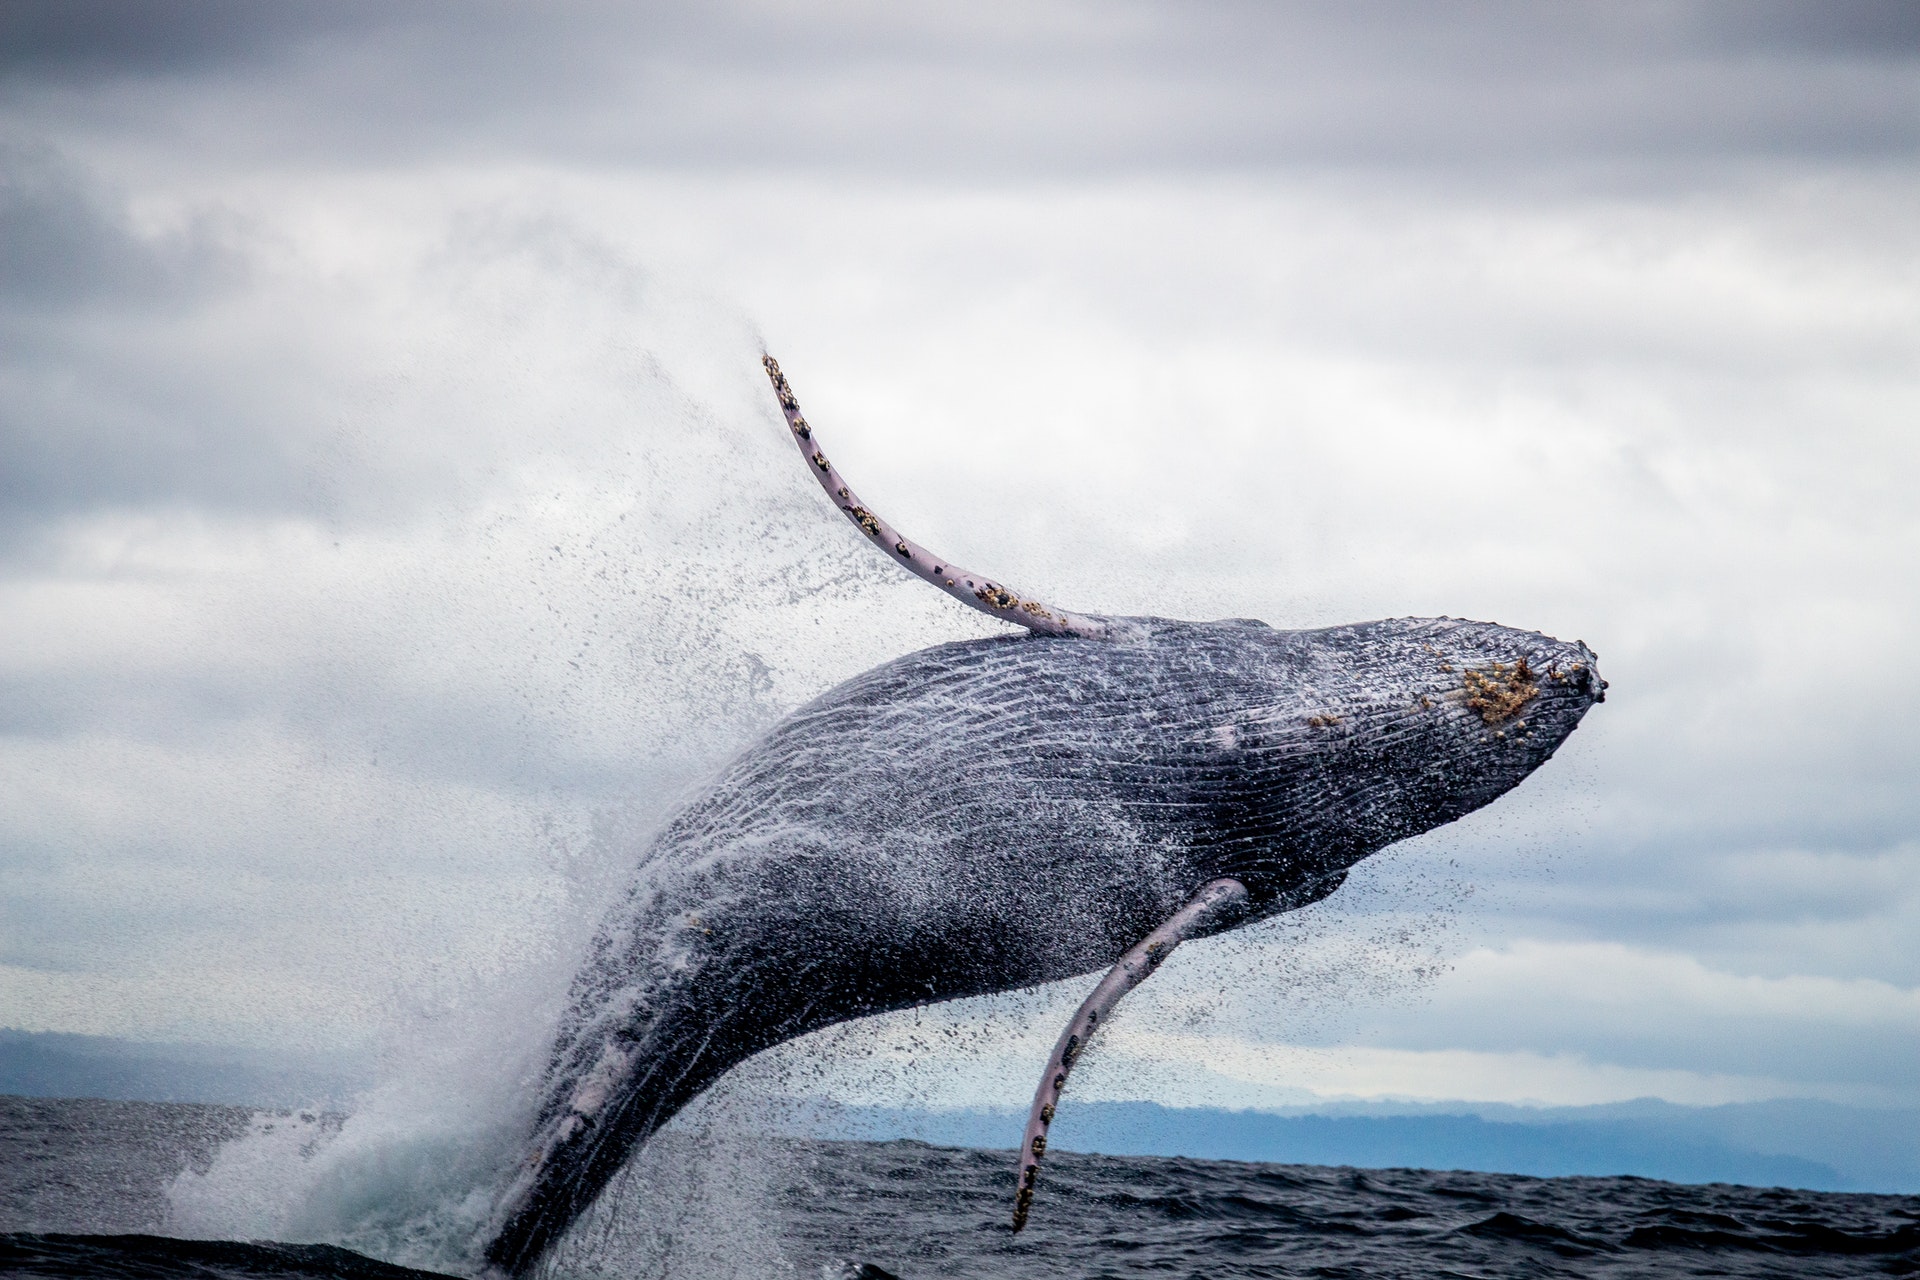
[
  {"x": 1204, "y": 908},
  {"x": 974, "y": 590}
]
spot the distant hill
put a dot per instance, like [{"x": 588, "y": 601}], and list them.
[
  {"x": 1818, "y": 1146},
  {"x": 46, "y": 1065},
  {"x": 1811, "y": 1145}
]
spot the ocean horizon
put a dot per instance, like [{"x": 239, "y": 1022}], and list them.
[{"x": 1804, "y": 1143}]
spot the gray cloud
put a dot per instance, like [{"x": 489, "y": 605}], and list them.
[
  {"x": 1886, "y": 29},
  {"x": 999, "y": 88},
  {"x": 378, "y": 498},
  {"x": 92, "y": 39},
  {"x": 77, "y": 278},
  {"x": 65, "y": 241}
]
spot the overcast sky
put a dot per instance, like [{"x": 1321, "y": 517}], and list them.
[{"x": 394, "y": 518}]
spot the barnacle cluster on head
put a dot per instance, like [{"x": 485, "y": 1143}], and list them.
[{"x": 1499, "y": 691}]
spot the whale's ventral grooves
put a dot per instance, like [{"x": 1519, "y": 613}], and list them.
[{"x": 992, "y": 814}]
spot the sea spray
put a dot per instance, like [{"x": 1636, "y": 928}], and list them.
[{"x": 610, "y": 582}]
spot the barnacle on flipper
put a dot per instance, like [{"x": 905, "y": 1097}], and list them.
[
  {"x": 989, "y": 597},
  {"x": 998, "y": 597},
  {"x": 1499, "y": 691}
]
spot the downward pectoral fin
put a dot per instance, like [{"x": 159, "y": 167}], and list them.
[{"x": 1204, "y": 908}]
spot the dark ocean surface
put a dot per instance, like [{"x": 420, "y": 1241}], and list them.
[{"x": 82, "y": 1193}]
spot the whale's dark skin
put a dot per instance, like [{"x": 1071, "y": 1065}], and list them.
[{"x": 989, "y": 815}]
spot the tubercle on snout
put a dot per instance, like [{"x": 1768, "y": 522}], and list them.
[{"x": 974, "y": 590}]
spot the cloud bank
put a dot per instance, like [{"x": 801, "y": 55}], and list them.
[{"x": 393, "y": 522}]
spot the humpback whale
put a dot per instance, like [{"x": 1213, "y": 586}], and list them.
[{"x": 993, "y": 814}]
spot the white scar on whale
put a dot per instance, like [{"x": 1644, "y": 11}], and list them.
[{"x": 994, "y": 814}]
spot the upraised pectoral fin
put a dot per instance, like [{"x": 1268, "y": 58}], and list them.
[
  {"x": 969, "y": 588},
  {"x": 1204, "y": 908}
]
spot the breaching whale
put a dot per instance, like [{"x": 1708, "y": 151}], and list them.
[{"x": 993, "y": 814}]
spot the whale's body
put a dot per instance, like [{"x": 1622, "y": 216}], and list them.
[{"x": 993, "y": 814}]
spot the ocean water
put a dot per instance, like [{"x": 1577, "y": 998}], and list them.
[{"x": 84, "y": 1192}]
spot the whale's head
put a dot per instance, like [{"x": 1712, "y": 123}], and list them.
[{"x": 1329, "y": 745}]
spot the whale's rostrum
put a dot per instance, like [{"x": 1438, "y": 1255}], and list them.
[{"x": 993, "y": 814}]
